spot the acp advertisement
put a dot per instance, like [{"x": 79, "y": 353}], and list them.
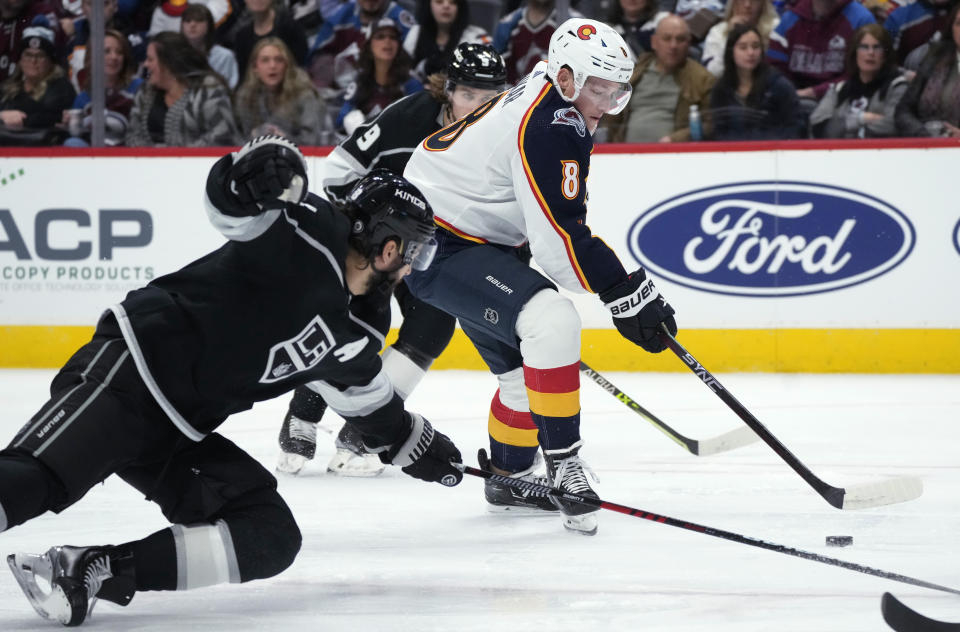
[{"x": 774, "y": 259}]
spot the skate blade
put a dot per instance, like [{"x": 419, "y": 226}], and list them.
[
  {"x": 585, "y": 524},
  {"x": 515, "y": 510},
  {"x": 346, "y": 463},
  {"x": 290, "y": 463},
  {"x": 26, "y": 567}
]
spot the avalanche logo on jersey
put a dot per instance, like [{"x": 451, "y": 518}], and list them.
[
  {"x": 570, "y": 116},
  {"x": 303, "y": 351}
]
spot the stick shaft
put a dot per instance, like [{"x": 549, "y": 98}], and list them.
[
  {"x": 833, "y": 495},
  {"x": 699, "y": 528}
]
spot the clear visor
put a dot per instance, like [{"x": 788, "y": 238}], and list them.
[
  {"x": 419, "y": 254},
  {"x": 608, "y": 96}
]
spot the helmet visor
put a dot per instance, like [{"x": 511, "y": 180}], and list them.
[
  {"x": 419, "y": 254},
  {"x": 608, "y": 96}
]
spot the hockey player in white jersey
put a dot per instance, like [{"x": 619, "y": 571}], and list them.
[{"x": 515, "y": 170}]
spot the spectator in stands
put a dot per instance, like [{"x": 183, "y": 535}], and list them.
[
  {"x": 931, "y": 105},
  {"x": 185, "y": 103},
  {"x": 78, "y": 30},
  {"x": 758, "y": 13},
  {"x": 665, "y": 84},
  {"x": 636, "y": 20},
  {"x": 441, "y": 26},
  {"x": 810, "y": 43},
  {"x": 168, "y": 14},
  {"x": 33, "y": 99},
  {"x": 863, "y": 106},
  {"x": 15, "y": 16},
  {"x": 384, "y": 76},
  {"x": 523, "y": 36},
  {"x": 334, "y": 56},
  {"x": 197, "y": 26},
  {"x": 277, "y": 97},
  {"x": 119, "y": 74},
  {"x": 915, "y": 24},
  {"x": 751, "y": 100},
  {"x": 268, "y": 20}
]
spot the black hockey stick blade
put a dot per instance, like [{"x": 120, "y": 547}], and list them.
[
  {"x": 698, "y": 528},
  {"x": 904, "y": 619},
  {"x": 731, "y": 440},
  {"x": 886, "y": 492}
]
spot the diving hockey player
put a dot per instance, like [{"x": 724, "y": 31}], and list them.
[
  {"x": 474, "y": 75},
  {"x": 515, "y": 170},
  {"x": 266, "y": 312}
]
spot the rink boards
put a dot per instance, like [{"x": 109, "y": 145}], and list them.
[{"x": 808, "y": 256}]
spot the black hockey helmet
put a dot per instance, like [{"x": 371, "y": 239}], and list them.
[
  {"x": 478, "y": 66},
  {"x": 384, "y": 206}
]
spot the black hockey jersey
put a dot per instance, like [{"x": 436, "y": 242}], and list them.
[
  {"x": 385, "y": 142},
  {"x": 264, "y": 313}
]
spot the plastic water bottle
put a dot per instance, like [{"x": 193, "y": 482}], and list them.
[{"x": 696, "y": 125}]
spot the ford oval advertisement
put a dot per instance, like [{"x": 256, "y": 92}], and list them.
[{"x": 771, "y": 238}]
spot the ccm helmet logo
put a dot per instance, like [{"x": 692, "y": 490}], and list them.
[
  {"x": 586, "y": 31},
  {"x": 630, "y": 304},
  {"x": 404, "y": 195}
]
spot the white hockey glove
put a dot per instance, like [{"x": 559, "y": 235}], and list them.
[{"x": 266, "y": 171}]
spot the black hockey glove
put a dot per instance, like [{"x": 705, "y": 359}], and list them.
[
  {"x": 425, "y": 453},
  {"x": 638, "y": 308},
  {"x": 266, "y": 171}
]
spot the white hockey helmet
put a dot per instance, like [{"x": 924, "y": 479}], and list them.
[{"x": 590, "y": 48}]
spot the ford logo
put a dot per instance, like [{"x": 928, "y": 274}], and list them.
[{"x": 771, "y": 238}]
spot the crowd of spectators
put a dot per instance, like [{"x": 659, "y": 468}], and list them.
[{"x": 217, "y": 72}]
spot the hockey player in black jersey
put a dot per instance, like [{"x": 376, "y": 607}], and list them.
[
  {"x": 266, "y": 312},
  {"x": 475, "y": 74}
]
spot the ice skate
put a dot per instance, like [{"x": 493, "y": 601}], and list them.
[
  {"x": 502, "y": 498},
  {"x": 298, "y": 444},
  {"x": 568, "y": 472},
  {"x": 352, "y": 458},
  {"x": 72, "y": 579}
]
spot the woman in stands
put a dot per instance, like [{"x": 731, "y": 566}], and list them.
[
  {"x": 931, "y": 105},
  {"x": 758, "y": 13},
  {"x": 441, "y": 26},
  {"x": 277, "y": 97},
  {"x": 863, "y": 106},
  {"x": 185, "y": 103},
  {"x": 198, "y": 27},
  {"x": 119, "y": 70},
  {"x": 33, "y": 99},
  {"x": 751, "y": 100},
  {"x": 384, "y": 76}
]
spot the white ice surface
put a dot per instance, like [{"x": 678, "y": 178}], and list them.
[{"x": 394, "y": 553}]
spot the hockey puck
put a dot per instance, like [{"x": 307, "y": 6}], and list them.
[{"x": 839, "y": 540}]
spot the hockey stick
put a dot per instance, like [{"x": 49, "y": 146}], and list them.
[
  {"x": 698, "y": 528},
  {"x": 904, "y": 619},
  {"x": 888, "y": 492},
  {"x": 701, "y": 447}
]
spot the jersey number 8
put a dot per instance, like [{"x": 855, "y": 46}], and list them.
[{"x": 443, "y": 139}]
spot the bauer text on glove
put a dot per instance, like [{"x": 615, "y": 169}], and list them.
[{"x": 638, "y": 308}]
